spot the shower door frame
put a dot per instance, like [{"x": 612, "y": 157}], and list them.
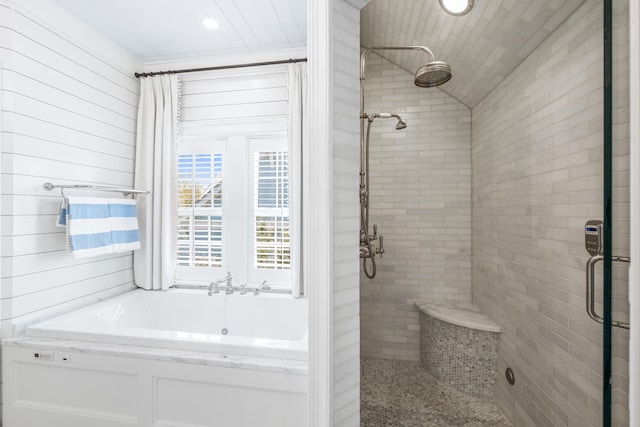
[{"x": 634, "y": 269}]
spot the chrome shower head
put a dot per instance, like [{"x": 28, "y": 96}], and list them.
[
  {"x": 433, "y": 74},
  {"x": 401, "y": 124}
]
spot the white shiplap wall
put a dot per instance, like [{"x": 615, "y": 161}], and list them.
[
  {"x": 345, "y": 159},
  {"x": 251, "y": 100},
  {"x": 69, "y": 107}
]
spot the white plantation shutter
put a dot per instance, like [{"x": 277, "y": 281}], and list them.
[
  {"x": 200, "y": 210},
  {"x": 271, "y": 243}
]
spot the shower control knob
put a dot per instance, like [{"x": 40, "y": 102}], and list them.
[{"x": 380, "y": 250}]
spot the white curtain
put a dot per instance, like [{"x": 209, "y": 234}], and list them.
[
  {"x": 154, "y": 263},
  {"x": 297, "y": 83}
]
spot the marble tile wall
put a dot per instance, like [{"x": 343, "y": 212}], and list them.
[{"x": 537, "y": 178}]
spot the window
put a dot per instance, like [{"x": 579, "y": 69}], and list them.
[
  {"x": 233, "y": 209},
  {"x": 233, "y": 175}
]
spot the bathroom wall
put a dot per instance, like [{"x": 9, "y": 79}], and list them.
[
  {"x": 68, "y": 116},
  {"x": 537, "y": 178},
  {"x": 345, "y": 34},
  {"x": 420, "y": 198}
]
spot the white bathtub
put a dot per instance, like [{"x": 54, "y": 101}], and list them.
[
  {"x": 267, "y": 325},
  {"x": 150, "y": 358}
]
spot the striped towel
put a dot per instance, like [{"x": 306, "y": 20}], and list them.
[{"x": 98, "y": 226}]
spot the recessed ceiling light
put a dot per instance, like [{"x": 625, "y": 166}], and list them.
[
  {"x": 457, "y": 7},
  {"x": 211, "y": 24}
]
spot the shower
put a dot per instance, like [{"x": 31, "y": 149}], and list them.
[{"x": 431, "y": 74}]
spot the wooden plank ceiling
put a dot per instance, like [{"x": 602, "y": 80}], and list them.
[{"x": 482, "y": 47}]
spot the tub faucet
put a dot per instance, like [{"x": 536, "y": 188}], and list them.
[
  {"x": 214, "y": 287},
  {"x": 263, "y": 287}
]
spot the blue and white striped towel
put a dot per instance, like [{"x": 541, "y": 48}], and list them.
[{"x": 98, "y": 226}]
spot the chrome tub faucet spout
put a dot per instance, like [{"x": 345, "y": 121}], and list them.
[{"x": 214, "y": 287}]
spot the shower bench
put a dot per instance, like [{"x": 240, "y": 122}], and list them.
[{"x": 459, "y": 346}]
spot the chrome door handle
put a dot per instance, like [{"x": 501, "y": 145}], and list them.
[{"x": 591, "y": 310}]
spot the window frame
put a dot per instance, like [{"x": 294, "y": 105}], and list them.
[{"x": 237, "y": 195}]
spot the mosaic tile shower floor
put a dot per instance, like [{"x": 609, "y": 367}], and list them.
[{"x": 402, "y": 394}]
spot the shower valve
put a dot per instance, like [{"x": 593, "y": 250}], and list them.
[{"x": 380, "y": 249}]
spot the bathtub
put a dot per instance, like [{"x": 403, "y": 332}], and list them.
[
  {"x": 268, "y": 325},
  {"x": 173, "y": 358}
]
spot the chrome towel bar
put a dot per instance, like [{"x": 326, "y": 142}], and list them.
[{"x": 125, "y": 191}]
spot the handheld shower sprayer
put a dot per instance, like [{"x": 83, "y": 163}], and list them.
[{"x": 399, "y": 126}]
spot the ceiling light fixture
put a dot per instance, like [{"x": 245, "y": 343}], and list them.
[
  {"x": 211, "y": 24},
  {"x": 457, "y": 7}
]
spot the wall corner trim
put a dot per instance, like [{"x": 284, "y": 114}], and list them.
[{"x": 320, "y": 222}]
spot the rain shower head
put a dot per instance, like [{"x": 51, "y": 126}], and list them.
[{"x": 433, "y": 74}]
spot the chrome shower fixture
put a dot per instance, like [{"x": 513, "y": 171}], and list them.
[
  {"x": 433, "y": 73},
  {"x": 399, "y": 126}
]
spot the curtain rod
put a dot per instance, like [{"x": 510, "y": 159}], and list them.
[{"x": 221, "y": 67}]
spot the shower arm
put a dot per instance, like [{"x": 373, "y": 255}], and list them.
[
  {"x": 426, "y": 50},
  {"x": 363, "y": 114},
  {"x": 365, "y": 238}
]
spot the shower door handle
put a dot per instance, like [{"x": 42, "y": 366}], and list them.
[{"x": 591, "y": 310}]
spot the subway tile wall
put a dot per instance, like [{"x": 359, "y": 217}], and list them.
[
  {"x": 420, "y": 198},
  {"x": 537, "y": 178}
]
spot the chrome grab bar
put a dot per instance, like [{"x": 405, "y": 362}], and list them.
[{"x": 591, "y": 309}]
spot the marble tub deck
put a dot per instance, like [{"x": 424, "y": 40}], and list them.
[{"x": 295, "y": 367}]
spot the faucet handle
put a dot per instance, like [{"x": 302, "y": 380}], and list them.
[{"x": 261, "y": 287}]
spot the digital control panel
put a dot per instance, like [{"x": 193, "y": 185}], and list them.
[{"x": 593, "y": 237}]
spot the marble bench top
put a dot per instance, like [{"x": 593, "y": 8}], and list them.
[{"x": 458, "y": 313}]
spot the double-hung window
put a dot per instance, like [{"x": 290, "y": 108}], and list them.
[{"x": 233, "y": 195}]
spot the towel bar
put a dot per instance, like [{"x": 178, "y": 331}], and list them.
[{"x": 125, "y": 191}]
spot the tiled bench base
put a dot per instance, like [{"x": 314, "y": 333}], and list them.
[{"x": 459, "y": 346}]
